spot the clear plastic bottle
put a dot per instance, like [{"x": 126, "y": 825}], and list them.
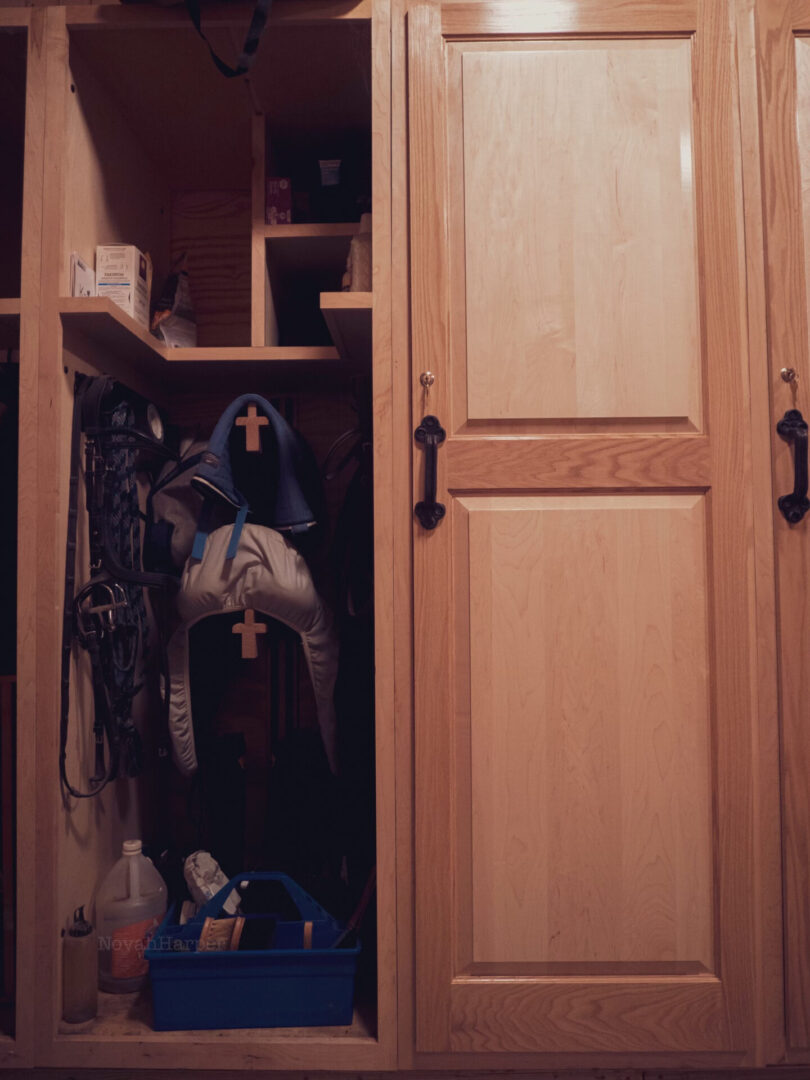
[
  {"x": 79, "y": 978},
  {"x": 130, "y": 904}
]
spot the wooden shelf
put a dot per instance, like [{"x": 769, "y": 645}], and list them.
[
  {"x": 305, "y": 262},
  {"x": 273, "y": 354},
  {"x": 100, "y": 324},
  {"x": 348, "y": 316},
  {"x": 130, "y": 1016},
  {"x": 125, "y": 1021},
  {"x": 98, "y": 330},
  {"x": 312, "y": 250},
  {"x": 309, "y": 230}
]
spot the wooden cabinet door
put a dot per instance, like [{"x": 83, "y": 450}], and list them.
[
  {"x": 783, "y": 50},
  {"x": 587, "y": 874}
]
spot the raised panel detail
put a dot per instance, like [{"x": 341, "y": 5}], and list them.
[
  {"x": 589, "y": 733},
  {"x": 580, "y": 251}
]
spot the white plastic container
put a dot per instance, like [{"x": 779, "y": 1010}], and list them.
[
  {"x": 124, "y": 275},
  {"x": 130, "y": 904}
]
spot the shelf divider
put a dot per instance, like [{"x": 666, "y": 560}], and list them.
[{"x": 348, "y": 316}]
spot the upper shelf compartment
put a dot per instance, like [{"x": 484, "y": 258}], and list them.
[
  {"x": 304, "y": 272},
  {"x": 310, "y": 80},
  {"x": 305, "y": 265},
  {"x": 146, "y": 102}
]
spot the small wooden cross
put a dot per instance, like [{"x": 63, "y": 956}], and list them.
[
  {"x": 251, "y": 423},
  {"x": 249, "y": 629}
]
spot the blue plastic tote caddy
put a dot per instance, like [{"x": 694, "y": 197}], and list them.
[{"x": 276, "y": 987}]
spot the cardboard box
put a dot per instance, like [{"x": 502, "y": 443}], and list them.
[
  {"x": 124, "y": 274},
  {"x": 278, "y": 202}
]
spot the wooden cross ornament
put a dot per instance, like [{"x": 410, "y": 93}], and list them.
[
  {"x": 251, "y": 423},
  {"x": 249, "y": 629}
]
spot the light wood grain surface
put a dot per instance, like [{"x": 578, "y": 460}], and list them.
[
  {"x": 784, "y": 102},
  {"x": 561, "y": 17},
  {"x": 580, "y": 245},
  {"x": 697, "y": 1007},
  {"x": 263, "y": 323},
  {"x": 390, "y": 635},
  {"x": 581, "y": 461},
  {"x": 589, "y": 729},
  {"x": 496, "y": 655},
  {"x": 766, "y": 796}
]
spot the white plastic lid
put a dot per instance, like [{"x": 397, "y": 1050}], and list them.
[{"x": 132, "y": 847}]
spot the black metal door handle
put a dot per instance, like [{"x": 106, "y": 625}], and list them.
[
  {"x": 793, "y": 428},
  {"x": 431, "y": 435}
]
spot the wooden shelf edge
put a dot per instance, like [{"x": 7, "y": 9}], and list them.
[
  {"x": 214, "y": 15},
  {"x": 16, "y": 18},
  {"x": 9, "y": 307},
  {"x": 126, "y": 1018},
  {"x": 247, "y": 353},
  {"x": 102, "y": 322},
  {"x": 290, "y": 1055},
  {"x": 347, "y": 301},
  {"x": 309, "y": 231},
  {"x": 348, "y": 317},
  {"x": 254, "y": 1037},
  {"x": 84, "y": 312}
]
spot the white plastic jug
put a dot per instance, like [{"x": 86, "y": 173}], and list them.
[{"x": 130, "y": 903}]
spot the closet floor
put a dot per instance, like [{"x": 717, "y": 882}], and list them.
[{"x": 122, "y": 1016}]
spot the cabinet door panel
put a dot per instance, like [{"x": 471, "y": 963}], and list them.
[
  {"x": 585, "y": 184},
  {"x": 586, "y": 873},
  {"x": 589, "y": 734}
]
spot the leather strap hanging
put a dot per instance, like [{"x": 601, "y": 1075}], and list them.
[
  {"x": 107, "y": 617},
  {"x": 254, "y": 33},
  {"x": 102, "y": 718}
]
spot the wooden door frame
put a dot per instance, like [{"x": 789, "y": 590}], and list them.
[
  {"x": 779, "y": 308},
  {"x": 48, "y": 420},
  {"x": 18, "y": 1051}
]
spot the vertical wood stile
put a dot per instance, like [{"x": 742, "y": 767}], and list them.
[
  {"x": 432, "y": 550},
  {"x": 770, "y": 1009},
  {"x": 51, "y": 489},
  {"x": 260, "y": 301},
  {"x": 778, "y": 24},
  {"x": 387, "y": 568}
]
